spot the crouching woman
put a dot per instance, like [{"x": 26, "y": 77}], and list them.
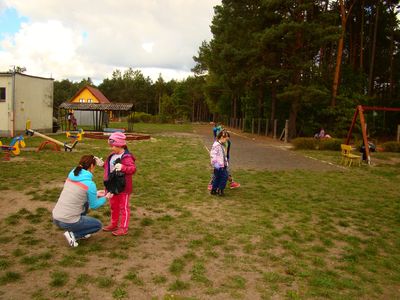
[{"x": 79, "y": 194}]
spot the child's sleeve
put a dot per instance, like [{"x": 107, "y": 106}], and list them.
[
  {"x": 94, "y": 202},
  {"x": 128, "y": 166},
  {"x": 213, "y": 155}
]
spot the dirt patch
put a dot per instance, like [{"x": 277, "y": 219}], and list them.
[{"x": 13, "y": 201}]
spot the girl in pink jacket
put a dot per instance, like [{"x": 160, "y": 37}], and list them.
[
  {"x": 220, "y": 163},
  {"x": 119, "y": 161}
]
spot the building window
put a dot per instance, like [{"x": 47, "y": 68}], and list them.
[
  {"x": 81, "y": 100},
  {"x": 89, "y": 100},
  {"x": 2, "y": 94}
]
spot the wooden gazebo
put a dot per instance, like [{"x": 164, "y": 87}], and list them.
[{"x": 99, "y": 110}]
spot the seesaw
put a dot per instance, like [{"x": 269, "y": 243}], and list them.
[
  {"x": 75, "y": 135},
  {"x": 13, "y": 148},
  {"x": 66, "y": 146}
]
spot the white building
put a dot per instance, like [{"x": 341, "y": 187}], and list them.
[{"x": 24, "y": 97}]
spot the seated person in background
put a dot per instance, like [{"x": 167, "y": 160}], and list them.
[{"x": 322, "y": 134}]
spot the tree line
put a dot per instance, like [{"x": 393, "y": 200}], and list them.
[
  {"x": 173, "y": 100},
  {"x": 310, "y": 62}
]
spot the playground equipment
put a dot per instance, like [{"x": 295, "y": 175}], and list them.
[
  {"x": 13, "y": 147},
  {"x": 360, "y": 111},
  {"x": 75, "y": 135},
  {"x": 49, "y": 140}
]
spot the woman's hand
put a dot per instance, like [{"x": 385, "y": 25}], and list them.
[
  {"x": 101, "y": 193},
  {"x": 109, "y": 195}
]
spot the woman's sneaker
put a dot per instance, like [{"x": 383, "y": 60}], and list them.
[
  {"x": 69, "y": 235},
  {"x": 86, "y": 236}
]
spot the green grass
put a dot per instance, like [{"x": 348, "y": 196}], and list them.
[{"x": 285, "y": 235}]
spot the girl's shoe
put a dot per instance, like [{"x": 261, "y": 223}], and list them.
[
  {"x": 234, "y": 185},
  {"x": 213, "y": 192},
  {"x": 110, "y": 228},
  {"x": 120, "y": 231}
]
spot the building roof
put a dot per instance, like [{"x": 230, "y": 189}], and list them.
[
  {"x": 96, "y": 92},
  {"x": 9, "y": 74},
  {"x": 97, "y": 106}
]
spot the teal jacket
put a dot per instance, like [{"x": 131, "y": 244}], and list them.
[
  {"x": 85, "y": 177},
  {"x": 77, "y": 192}
]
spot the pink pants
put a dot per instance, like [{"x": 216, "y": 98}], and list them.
[{"x": 119, "y": 205}]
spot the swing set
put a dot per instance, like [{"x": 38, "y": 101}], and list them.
[{"x": 360, "y": 109}]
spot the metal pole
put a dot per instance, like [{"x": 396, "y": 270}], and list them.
[
  {"x": 364, "y": 133},
  {"x": 353, "y": 122},
  {"x": 266, "y": 127},
  {"x": 259, "y": 126},
  {"x": 252, "y": 126}
]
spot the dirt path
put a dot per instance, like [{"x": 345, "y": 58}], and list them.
[{"x": 262, "y": 153}]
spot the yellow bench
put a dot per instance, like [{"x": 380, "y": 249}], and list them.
[{"x": 348, "y": 157}]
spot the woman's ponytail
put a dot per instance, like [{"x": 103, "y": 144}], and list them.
[{"x": 85, "y": 163}]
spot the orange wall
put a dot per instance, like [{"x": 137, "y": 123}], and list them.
[{"x": 85, "y": 95}]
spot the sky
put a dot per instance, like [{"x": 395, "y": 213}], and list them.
[{"x": 75, "y": 39}]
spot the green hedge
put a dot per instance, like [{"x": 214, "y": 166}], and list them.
[
  {"x": 316, "y": 144},
  {"x": 391, "y": 147}
]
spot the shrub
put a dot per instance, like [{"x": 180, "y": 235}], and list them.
[
  {"x": 141, "y": 117},
  {"x": 330, "y": 144},
  {"x": 316, "y": 144},
  {"x": 391, "y": 146},
  {"x": 305, "y": 143}
]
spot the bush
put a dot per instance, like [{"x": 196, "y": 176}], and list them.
[
  {"x": 391, "y": 147},
  {"x": 141, "y": 117},
  {"x": 315, "y": 144},
  {"x": 330, "y": 144},
  {"x": 305, "y": 143}
]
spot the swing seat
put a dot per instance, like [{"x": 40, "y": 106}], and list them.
[{"x": 348, "y": 157}]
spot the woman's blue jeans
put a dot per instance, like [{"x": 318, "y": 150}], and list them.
[{"x": 81, "y": 228}]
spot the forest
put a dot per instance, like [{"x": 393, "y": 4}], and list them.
[{"x": 310, "y": 62}]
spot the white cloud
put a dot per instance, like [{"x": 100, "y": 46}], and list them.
[{"x": 76, "y": 39}]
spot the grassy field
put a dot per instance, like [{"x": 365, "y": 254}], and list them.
[{"x": 282, "y": 235}]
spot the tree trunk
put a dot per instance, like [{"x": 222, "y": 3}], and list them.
[
  {"x": 261, "y": 102},
  {"x": 339, "y": 54},
  {"x": 273, "y": 105},
  {"x": 234, "y": 107},
  {"x": 362, "y": 38},
  {"x": 294, "y": 109},
  {"x": 391, "y": 81},
  {"x": 371, "y": 68}
]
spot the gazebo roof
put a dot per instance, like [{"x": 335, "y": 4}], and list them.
[{"x": 97, "y": 106}]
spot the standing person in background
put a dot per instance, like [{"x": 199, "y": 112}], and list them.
[
  {"x": 220, "y": 163},
  {"x": 69, "y": 120},
  {"x": 232, "y": 184},
  {"x": 79, "y": 193},
  {"x": 216, "y": 129},
  {"x": 120, "y": 160},
  {"x": 74, "y": 122}
]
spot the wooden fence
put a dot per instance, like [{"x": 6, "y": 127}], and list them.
[{"x": 265, "y": 127}]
